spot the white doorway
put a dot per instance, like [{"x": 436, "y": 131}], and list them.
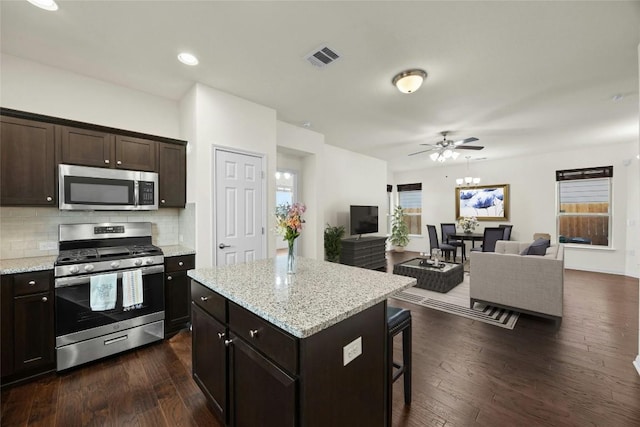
[
  {"x": 286, "y": 193},
  {"x": 239, "y": 206}
]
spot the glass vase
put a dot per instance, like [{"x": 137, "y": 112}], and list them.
[{"x": 291, "y": 257}]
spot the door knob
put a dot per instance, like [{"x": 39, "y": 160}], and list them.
[{"x": 222, "y": 246}]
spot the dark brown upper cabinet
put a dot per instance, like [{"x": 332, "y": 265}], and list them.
[
  {"x": 87, "y": 147},
  {"x": 172, "y": 175},
  {"x": 32, "y": 145},
  {"x": 100, "y": 149},
  {"x": 27, "y": 157},
  {"x": 136, "y": 154}
]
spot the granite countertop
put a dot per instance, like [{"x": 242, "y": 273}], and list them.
[
  {"x": 319, "y": 295},
  {"x": 26, "y": 265},
  {"x": 30, "y": 264},
  {"x": 176, "y": 250}
]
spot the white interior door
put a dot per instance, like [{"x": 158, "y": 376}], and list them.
[{"x": 239, "y": 187}]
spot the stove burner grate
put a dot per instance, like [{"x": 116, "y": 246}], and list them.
[{"x": 77, "y": 255}]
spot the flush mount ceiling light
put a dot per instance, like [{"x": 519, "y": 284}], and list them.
[
  {"x": 187, "y": 58},
  {"x": 409, "y": 81},
  {"x": 44, "y": 4}
]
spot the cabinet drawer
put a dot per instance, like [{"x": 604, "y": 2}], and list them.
[
  {"x": 276, "y": 344},
  {"x": 177, "y": 263},
  {"x": 209, "y": 301},
  {"x": 31, "y": 283}
]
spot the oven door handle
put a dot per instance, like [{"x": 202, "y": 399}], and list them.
[{"x": 62, "y": 282}]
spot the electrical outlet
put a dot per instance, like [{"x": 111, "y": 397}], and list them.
[
  {"x": 351, "y": 351},
  {"x": 48, "y": 246}
]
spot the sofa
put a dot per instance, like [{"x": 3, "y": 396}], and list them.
[{"x": 532, "y": 284}]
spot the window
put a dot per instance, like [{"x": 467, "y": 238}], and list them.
[
  {"x": 584, "y": 206},
  {"x": 410, "y": 198}
]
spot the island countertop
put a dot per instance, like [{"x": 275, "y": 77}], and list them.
[{"x": 319, "y": 295}]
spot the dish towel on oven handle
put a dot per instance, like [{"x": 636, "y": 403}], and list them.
[
  {"x": 103, "y": 291},
  {"x": 132, "y": 293}
]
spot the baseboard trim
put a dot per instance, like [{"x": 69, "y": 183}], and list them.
[{"x": 636, "y": 363}]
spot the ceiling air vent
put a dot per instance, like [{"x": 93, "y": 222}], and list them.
[{"x": 322, "y": 56}]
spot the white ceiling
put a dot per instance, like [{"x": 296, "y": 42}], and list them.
[{"x": 521, "y": 76}]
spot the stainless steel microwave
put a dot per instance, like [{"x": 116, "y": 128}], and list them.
[{"x": 86, "y": 188}]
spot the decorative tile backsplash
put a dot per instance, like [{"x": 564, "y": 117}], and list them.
[{"x": 30, "y": 232}]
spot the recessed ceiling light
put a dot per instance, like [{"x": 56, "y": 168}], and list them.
[
  {"x": 617, "y": 97},
  {"x": 306, "y": 124},
  {"x": 44, "y": 4},
  {"x": 187, "y": 58}
]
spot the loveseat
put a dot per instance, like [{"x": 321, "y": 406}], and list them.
[{"x": 532, "y": 284}]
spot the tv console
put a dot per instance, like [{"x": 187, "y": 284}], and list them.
[{"x": 364, "y": 252}]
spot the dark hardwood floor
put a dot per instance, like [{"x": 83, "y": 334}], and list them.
[{"x": 466, "y": 373}]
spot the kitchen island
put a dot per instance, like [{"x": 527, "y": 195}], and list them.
[{"x": 307, "y": 349}]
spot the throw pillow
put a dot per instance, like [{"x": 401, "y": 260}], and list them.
[{"x": 539, "y": 247}]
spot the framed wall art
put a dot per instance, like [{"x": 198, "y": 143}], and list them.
[{"x": 485, "y": 202}]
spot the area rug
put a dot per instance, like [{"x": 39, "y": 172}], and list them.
[{"x": 456, "y": 301}]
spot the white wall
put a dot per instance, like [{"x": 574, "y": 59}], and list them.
[
  {"x": 354, "y": 179},
  {"x": 214, "y": 118},
  {"x": 36, "y": 88},
  {"x": 290, "y": 163},
  {"x": 533, "y": 199},
  {"x": 309, "y": 147},
  {"x": 635, "y": 235}
]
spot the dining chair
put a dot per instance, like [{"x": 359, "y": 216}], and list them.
[
  {"x": 491, "y": 236},
  {"x": 507, "y": 230},
  {"x": 448, "y": 229},
  {"x": 435, "y": 244}
]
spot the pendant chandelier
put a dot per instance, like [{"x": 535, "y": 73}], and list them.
[{"x": 468, "y": 179}]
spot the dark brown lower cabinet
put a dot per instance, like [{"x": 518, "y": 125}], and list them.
[
  {"x": 28, "y": 335},
  {"x": 259, "y": 390},
  {"x": 177, "y": 293},
  {"x": 209, "y": 360},
  {"x": 257, "y": 374}
]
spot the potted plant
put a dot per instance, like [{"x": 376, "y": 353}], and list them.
[
  {"x": 333, "y": 242},
  {"x": 399, "y": 230}
]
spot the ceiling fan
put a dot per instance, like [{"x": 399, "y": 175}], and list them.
[{"x": 443, "y": 150}]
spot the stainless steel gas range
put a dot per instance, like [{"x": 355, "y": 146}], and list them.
[{"x": 109, "y": 291}]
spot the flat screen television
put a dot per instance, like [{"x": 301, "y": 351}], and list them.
[{"x": 364, "y": 219}]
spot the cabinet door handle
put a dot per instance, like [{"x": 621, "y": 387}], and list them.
[
  {"x": 106, "y": 161},
  {"x": 169, "y": 278},
  {"x": 163, "y": 201},
  {"x": 253, "y": 333},
  {"x": 204, "y": 298},
  {"x": 49, "y": 198},
  {"x": 118, "y": 162},
  {"x": 228, "y": 342},
  {"x": 31, "y": 282},
  {"x": 180, "y": 263},
  {"x": 221, "y": 335},
  {"x": 45, "y": 299}
]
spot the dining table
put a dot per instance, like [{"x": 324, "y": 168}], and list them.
[{"x": 468, "y": 236}]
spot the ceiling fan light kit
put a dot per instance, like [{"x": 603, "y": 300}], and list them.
[
  {"x": 445, "y": 149},
  {"x": 409, "y": 81}
]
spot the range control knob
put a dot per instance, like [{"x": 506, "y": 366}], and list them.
[
  {"x": 138, "y": 262},
  {"x": 73, "y": 269},
  {"x": 88, "y": 267},
  {"x": 148, "y": 261},
  {"x": 115, "y": 264}
]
